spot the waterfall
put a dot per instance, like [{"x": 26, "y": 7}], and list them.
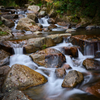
[{"x": 44, "y": 21}]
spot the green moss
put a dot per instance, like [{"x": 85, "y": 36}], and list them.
[
  {"x": 44, "y": 46},
  {"x": 1, "y": 23},
  {"x": 2, "y": 33}
]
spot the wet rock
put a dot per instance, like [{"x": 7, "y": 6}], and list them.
[
  {"x": 22, "y": 77},
  {"x": 91, "y": 64},
  {"x": 88, "y": 43},
  {"x": 93, "y": 88},
  {"x": 52, "y": 26},
  {"x": 32, "y": 16},
  {"x": 97, "y": 54},
  {"x": 4, "y": 57},
  {"x": 8, "y": 23},
  {"x": 11, "y": 16},
  {"x": 73, "y": 51},
  {"x": 3, "y": 72},
  {"x": 35, "y": 44},
  {"x": 42, "y": 13},
  {"x": 72, "y": 79},
  {"x": 49, "y": 58},
  {"x": 60, "y": 72},
  {"x": 62, "y": 23},
  {"x": 27, "y": 24},
  {"x": 58, "y": 38},
  {"x": 51, "y": 21},
  {"x": 34, "y": 8},
  {"x": 16, "y": 95},
  {"x": 66, "y": 66},
  {"x": 89, "y": 27}
]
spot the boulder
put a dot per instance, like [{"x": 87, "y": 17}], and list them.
[
  {"x": 51, "y": 21},
  {"x": 93, "y": 89},
  {"x": 72, "y": 79},
  {"x": 42, "y": 13},
  {"x": 91, "y": 64},
  {"x": 3, "y": 72},
  {"x": 32, "y": 16},
  {"x": 22, "y": 77},
  {"x": 73, "y": 51},
  {"x": 52, "y": 13},
  {"x": 58, "y": 38},
  {"x": 60, "y": 72},
  {"x": 27, "y": 24},
  {"x": 49, "y": 58},
  {"x": 35, "y": 44},
  {"x": 34, "y": 8},
  {"x": 52, "y": 26},
  {"x": 97, "y": 54},
  {"x": 62, "y": 23},
  {"x": 89, "y": 27},
  {"x": 4, "y": 57},
  {"x": 70, "y": 30},
  {"x": 8, "y": 23},
  {"x": 11, "y": 16},
  {"x": 16, "y": 95}
]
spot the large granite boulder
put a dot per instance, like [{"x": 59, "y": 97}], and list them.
[
  {"x": 3, "y": 72},
  {"x": 72, "y": 79},
  {"x": 34, "y": 8},
  {"x": 4, "y": 57},
  {"x": 22, "y": 77},
  {"x": 16, "y": 95},
  {"x": 50, "y": 58},
  {"x": 91, "y": 64},
  {"x": 27, "y": 24},
  {"x": 35, "y": 44}
]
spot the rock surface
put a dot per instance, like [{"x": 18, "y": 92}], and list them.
[
  {"x": 91, "y": 64},
  {"x": 50, "y": 58},
  {"x": 22, "y": 77},
  {"x": 16, "y": 95},
  {"x": 72, "y": 79},
  {"x": 4, "y": 57}
]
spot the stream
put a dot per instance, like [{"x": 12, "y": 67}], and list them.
[{"x": 52, "y": 90}]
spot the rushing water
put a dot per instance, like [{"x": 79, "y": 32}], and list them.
[{"x": 52, "y": 90}]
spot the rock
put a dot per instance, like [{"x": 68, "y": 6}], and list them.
[
  {"x": 66, "y": 66},
  {"x": 4, "y": 57},
  {"x": 49, "y": 58},
  {"x": 91, "y": 64},
  {"x": 44, "y": 9},
  {"x": 88, "y": 43},
  {"x": 35, "y": 44},
  {"x": 27, "y": 24},
  {"x": 52, "y": 26},
  {"x": 51, "y": 21},
  {"x": 58, "y": 38},
  {"x": 93, "y": 89},
  {"x": 97, "y": 54},
  {"x": 34, "y": 8},
  {"x": 22, "y": 77},
  {"x": 16, "y": 95},
  {"x": 62, "y": 23},
  {"x": 8, "y": 23},
  {"x": 60, "y": 72},
  {"x": 42, "y": 13},
  {"x": 3, "y": 72},
  {"x": 11, "y": 16},
  {"x": 72, "y": 79},
  {"x": 32, "y": 16},
  {"x": 73, "y": 51},
  {"x": 89, "y": 27},
  {"x": 70, "y": 30}
]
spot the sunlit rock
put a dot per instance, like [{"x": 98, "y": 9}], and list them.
[
  {"x": 34, "y": 8},
  {"x": 72, "y": 79},
  {"x": 66, "y": 66},
  {"x": 16, "y": 95},
  {"x": 22, "y": 77},
  {"x": 49, "y": 58}
]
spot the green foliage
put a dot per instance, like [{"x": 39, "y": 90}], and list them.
[
  {"x": 3, "y": 33},
  {"x": 44, "y": 46},
  {"x": 1, "y": 23}
]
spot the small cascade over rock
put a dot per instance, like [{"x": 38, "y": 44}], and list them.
[{"x": 44, "y": 21}]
